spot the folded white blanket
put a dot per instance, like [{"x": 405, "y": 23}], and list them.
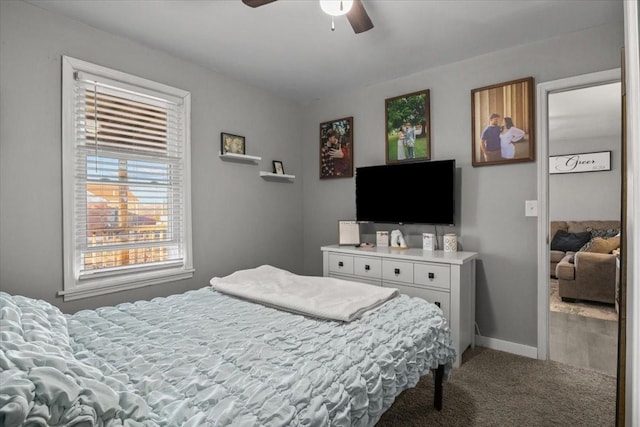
[{"x": 323, "y": 297}]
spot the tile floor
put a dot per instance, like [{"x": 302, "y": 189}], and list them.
[{"x": 583, "y": 341}]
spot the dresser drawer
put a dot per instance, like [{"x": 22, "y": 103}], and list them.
[
  {"x": 397, "y": 271},
  {"x": 433, "y": 275},
  {"x": 341, "y": 264},
  {"x": 368, "y": 281},
  {"x": 367, "y": 267},
  {"x": 439, "y": 298}
]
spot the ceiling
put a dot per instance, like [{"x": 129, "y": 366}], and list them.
[{"x": 287, "y": 47}]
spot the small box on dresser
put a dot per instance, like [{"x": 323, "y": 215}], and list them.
[{"x": 446, "y": 279}]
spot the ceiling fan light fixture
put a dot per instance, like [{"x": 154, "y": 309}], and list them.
[{"x": 336, "y": 7}]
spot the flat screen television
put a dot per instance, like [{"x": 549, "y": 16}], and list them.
[{"x": 407, "y": 193}]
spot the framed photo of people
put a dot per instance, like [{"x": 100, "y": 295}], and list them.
[
  {"x": 408, "y": 128},
  {"x": 502, "y": 123},
  {"x": 336, "y": 148}
]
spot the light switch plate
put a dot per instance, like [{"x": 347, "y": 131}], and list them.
[{"x": 530, "y": 208}]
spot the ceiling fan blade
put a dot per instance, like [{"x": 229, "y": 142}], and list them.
[
  {"x": 256, "y": 3},
  {"x": 358, "y": 18}
]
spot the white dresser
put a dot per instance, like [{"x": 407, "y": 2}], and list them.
[{"x": 448, "y": 279}]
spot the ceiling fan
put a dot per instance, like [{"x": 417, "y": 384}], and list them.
[{"x": 357, "y": 15}]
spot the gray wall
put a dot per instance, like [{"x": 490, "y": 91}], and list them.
[
  {"x": 239, "y": 219},
  {"x": 588, "y": 195},
  {"x": 492, "y": 198},
  {"x": 594, "y": 124}
]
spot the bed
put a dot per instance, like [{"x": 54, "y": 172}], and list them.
[{"x": 206, "y": 357}]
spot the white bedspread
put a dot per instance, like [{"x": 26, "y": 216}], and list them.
[{"x": 322, "y": 297}]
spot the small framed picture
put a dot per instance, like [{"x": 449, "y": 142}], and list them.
[
  {"x": 232, "y": 144},
  {"x": 278, "y": 168}
]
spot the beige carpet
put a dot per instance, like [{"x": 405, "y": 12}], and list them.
[
  {"x": 582, "y": 308},
  {"x": 494, "y": 388}
]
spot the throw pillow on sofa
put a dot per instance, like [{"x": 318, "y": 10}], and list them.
[
  {"x": 604, "y": 246},
  {"x": 569, "y": 242},
  {"x": 596, "y": 232}
]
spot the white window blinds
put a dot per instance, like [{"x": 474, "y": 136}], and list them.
[{"x": 126, "y": 176}]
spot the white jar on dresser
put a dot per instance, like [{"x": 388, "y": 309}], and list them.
[{"x": 447, "y": 279}]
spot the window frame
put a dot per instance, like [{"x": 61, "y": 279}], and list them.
[{"x": 103, "y": 283}]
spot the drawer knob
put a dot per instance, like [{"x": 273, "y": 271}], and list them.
[
  {"x": 340, "y": 264},
  {"x": 432, "y": 276},
  {"x": 367, "y": 267},
  {"x": 396, "y": 271}
]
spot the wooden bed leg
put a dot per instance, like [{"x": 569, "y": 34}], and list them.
[{"x": 438, "y": 374}]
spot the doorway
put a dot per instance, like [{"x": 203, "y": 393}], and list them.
[
  {"x": 551, "y": 95},
  {"x": 584, "y": 141}
]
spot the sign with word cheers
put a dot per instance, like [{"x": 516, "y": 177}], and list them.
[{"x": 583, "y": 162}]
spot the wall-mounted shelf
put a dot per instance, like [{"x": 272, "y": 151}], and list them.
[
  {"x": 276, "y": 176},
  {"x": 243, "y": 158}
]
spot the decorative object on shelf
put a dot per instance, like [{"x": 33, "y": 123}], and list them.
[
  {"x": 278, "y": 169},
  {"x": 428, "y": 240},
  {"x": 408, "y": 128},
  {"x": 336, "y": 148},
  {"x": 582, "y": 162},
  {"x": 502, "y": 123},
  {"x": 349, "y": 232},
  {"x": 397, "y": 239},
  {"x": 234, "y": 144},
  {"x": 450, "y": 242},
  {"x": 382, "y": 239}
]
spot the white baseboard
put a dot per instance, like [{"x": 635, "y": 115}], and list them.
[{"x": 507, "y": 346}]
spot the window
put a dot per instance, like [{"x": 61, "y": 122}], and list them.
[{"x": 126, "y": 185}]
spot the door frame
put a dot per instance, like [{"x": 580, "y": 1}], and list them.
[
  {"x": 631, "y": 390},
  {"x": 542, "y": 132}
]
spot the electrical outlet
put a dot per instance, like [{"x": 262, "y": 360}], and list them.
[{"x": 530, "y": 208}]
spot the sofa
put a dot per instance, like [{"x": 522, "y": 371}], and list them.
[{"x": 584, "y": 259}]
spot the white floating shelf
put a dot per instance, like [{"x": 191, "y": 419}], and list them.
[
  {"x": 239, "y": 158},
  {"x": 277, "y": 176}
]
